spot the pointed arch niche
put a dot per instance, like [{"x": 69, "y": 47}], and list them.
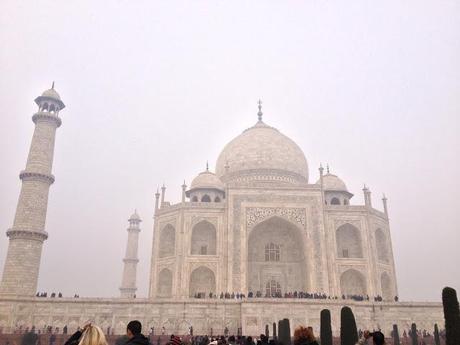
[
  {"x": 167, "y": 241},
  {"x": 387, "y": 290},
  {"x": 202, "y": 281},
  {"x": 352, "y": 282},
  {"x": 349, "y": 244},
  {"x": 203, "y": 240},
  {"x": 381, "y": 243},
  {"x": 164, "y": 287}
]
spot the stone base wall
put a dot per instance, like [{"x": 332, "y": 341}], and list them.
[{"x": 209, "y": 315}]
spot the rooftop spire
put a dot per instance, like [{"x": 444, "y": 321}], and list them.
[
  {"x": 52, "y": 85},
  {"x": 259, "y": 113},
  {"x": 207, "y": 166},
  {"x": 327, "y": 168}
]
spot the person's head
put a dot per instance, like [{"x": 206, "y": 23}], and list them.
[
  {"x": 378, "y": 338},
  {"x": 175, "y": 340},
  {"x": 302, "y": 335},
  {"x": 93, "y": 335},
  {"x": 134, "y": 328}
]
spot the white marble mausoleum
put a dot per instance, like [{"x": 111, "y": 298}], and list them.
[{"x": 256, "y": 225}]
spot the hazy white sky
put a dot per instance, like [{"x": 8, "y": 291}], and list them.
[{"x": 155, "y": 88}]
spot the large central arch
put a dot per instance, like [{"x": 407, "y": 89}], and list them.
[{"x": 276, "y": 255}]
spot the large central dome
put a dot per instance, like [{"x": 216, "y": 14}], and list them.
[{"x": 262, "y": 152}]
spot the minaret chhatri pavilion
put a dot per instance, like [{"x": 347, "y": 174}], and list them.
[
  {"x": 128, "y": 282},
  {"x": 20, "y": 274}
]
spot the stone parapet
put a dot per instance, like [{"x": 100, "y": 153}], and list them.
[
  {"x": 176, "y": 315},
  {"x": 35, "y": 176},
  {"x": 46, "y": 117},
  {"x": 35, "y": 235}
]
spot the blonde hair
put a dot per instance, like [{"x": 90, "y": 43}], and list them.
[{"x": 93, "y": 335}]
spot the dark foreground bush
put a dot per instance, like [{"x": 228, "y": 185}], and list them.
[{"x": 348, "y": 330}]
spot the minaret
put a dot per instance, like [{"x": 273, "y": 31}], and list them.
[
  {"x": 128, "y": 282},
  {"x": 184, "y": 188},
  {"x": 367, "y": 197},
  {"x": 20, "y": 273},
  {"x": 157, "y": 199},
  {"x": 385, "y": 205},
  {"x": 163, "y": 193}
]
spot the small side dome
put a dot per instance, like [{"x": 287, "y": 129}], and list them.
[
  {"x": 50, "y": 95},
  {"x": 206, "y": 187},
  {"x": 332, "y": 182},
  {"x": 207, "y": 180},
  {"x": 335, "y": 190}
]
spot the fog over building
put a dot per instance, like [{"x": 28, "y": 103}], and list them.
[{"x": 255, "y": 226}]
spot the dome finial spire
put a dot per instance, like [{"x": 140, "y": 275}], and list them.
[
  {"x": 259, "y": 113},
  {"x": 327, "y": 168},
  {"x": 207, "y": 166},
  {"x": 52, "y": 85}
]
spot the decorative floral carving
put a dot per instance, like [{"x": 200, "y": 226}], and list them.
[
  {"x": 255, "y": 215},
  {"x": 354, "y": 222}
]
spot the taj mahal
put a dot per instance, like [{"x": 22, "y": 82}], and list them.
[{"x": 256, "y": 226}]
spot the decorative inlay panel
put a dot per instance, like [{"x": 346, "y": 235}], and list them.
[{"x": 255, "y": 215}]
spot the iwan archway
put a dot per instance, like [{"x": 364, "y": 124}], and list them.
[{"x": 276, "y": 258}]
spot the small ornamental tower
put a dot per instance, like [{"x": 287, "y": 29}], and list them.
[
  {"x": 128, "y": 282},
  {"x": 20, "y": 273}
]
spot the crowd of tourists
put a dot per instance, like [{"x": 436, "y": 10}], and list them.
[
  {"x": 91, "y": 334},
  {"x": 53, "y": 295},
  {"x": 295, "y": 294}
]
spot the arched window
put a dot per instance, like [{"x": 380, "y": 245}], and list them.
[
  {"x": 195, "y": 199},
  {"x": 272, "y": 252},
  {"x": 205, "y": 198},
  {"x": 382, "y": 246},
  {"x": 335, "y": 201},
  {"x": 45, "y": 107},
  {"x": 272, "y": 288},
  {"x": 52, "y": 108},
  {"x": 216, "y": 199}
]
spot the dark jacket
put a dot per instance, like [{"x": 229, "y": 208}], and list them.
[
  {"x": 306, "y": 342},
  {"x": 138, "y": 339},
  {"x": 74, "y": 338}
]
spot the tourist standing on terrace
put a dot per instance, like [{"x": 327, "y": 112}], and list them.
[{"x": 133, "y": 331}]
